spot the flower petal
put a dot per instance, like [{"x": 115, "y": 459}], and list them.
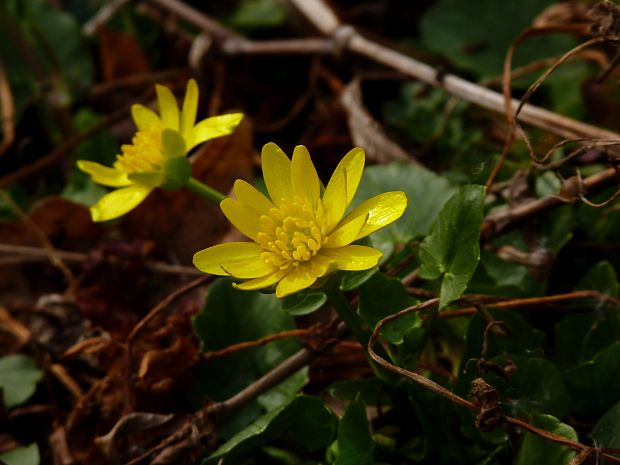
[
  {"x": 210, "y": 128},
  {"x": 263, "y": 282},
  {"x": 244, "y": 218},
  {"x": 238, "y": 259},
  {"x": 252, "y": 197},
  {"x": 277, "y": 173},
  {"x": 342, "y": 186},
  {"x": 104, "y": 175},
  {"x": 190, "y": 108},
  {"x": 297, "y": 279},
  {"x": 168, "y": 107},
  {"x": 346, "y": 232},
  {"x": 119, "y": 202},
  {"x": 380, "y": 210},
  {"x": 353, "y": 257},
  {"x": 304, "y": 179},
  {"x": 322, "y": 265},
  {"x": 144, "y": 117}
]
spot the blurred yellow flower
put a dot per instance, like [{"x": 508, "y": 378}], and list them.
[
  {"x": 298, "y": 234},
  {"x": 156, "y": 156}
]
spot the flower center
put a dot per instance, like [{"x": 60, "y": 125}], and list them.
[
  {"x": 143, "y": 154},
  {"x": 292, "y": 233}
]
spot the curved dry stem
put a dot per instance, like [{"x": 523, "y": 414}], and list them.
[{"x": 442, "y": 391}]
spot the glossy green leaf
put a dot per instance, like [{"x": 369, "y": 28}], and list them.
[
  {"x": 606, "y": 432},
  {"x": 305, "y": 421},
  {"x": 19, "y": 376},
  {"x": 371, "y": 391},
  {"x": 304, "y": 302},
  {"x": 580, "y": 336},
  {"x": 382, "y": 296},
  {"x": 595, "y": 385},
  {"x": 355, "y": 445},
  {"x": 26, "y": 455},
  {"x": 475, "y": 35},
  {"x": 547, "y": 395},
  {"x": 452, "y": 250},
  {"x": 230, "y": 316},
  {"x": 255, "y": 14},
  {"x": 536, "y": 450},
  {"x": 351, "y": 280}
]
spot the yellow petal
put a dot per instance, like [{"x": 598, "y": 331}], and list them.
[
  {"x": 277, "y": 173},
  {"x": 381, "y": 210},
  {"x": 261, "y": 283},
  {"x": 322, "y": 265},
  {"x": 342, "y": 186},
  {"x": 210, "y": 128},
  {"x": 190, "y": 108},
  {"x": 346, "y": 232},
  {"x": 304, "y": 179},
  {"x": 118, "y": 202},
  {"x": 252, "y": 197},
  {"x": 245, "y": 219},
  {"x": 238, "y": 259},
  {"x": 144, "y": 117},
  {"x": 168, "y": 107},
  {"x": 104, "y": 175},
  {"x": 297, "y": 279},
  {"x": 353, "y": 257}
]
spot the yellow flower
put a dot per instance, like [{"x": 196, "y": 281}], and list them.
[
  {"x": 298, "y": 234},
  {"x": 156, "y": 155}
]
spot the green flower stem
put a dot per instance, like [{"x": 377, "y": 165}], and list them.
[
  {"x": 347, "y": 314},
  {"x": 205, "y": 191}
]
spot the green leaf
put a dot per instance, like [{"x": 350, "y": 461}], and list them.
[
  {"x": 523, "y": 340},
  {"x": 536, "y": 450},
  {"x": 304, "y": 302},
  {"x": 606, "y": 432},
  {"x": 19, "y": 376},
  {"x": 231, "y": 316},
  {"x": 475, "y": 35},
  {"x": 452, "y": 249},
  {"x": 306, "y": 421},
  {"x": 355, "y": 445},
  {"x": 257, "y": 14},
  {"x": 595, "y": 385},
  {"x": 547, "y": 395},
  {"x": 382, "y": 296},
  {"x": 371, "y": 391},
  {"x": 580, "y": 336},
  {"x": 351, "y": 280},
  {"x": 58, "y": 44},
  {"x": 27, "y": 455}
]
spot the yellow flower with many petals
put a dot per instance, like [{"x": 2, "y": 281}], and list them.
[
  {"x": 156, "y": 156},
  {"x": 299, "y": 235}
]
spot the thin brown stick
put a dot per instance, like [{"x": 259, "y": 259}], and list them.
[
  {"x": 533, "y": 301},
  {"x": 223, "y": 410},
  {"x": 324, "y": 19},
  {"x": 7, "y": 111},
  {"x": 54, "y": 258},
  {"x": 38, "y": 253},
  {"x": 501, "y": 220},
  {"x": 442, "y": 391},
  {"x": 259, "y": 342}
]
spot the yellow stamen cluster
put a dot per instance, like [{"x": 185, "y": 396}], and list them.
[
  {"x": 292, "y": 233},
  {"x": 144, "y": 152}
]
